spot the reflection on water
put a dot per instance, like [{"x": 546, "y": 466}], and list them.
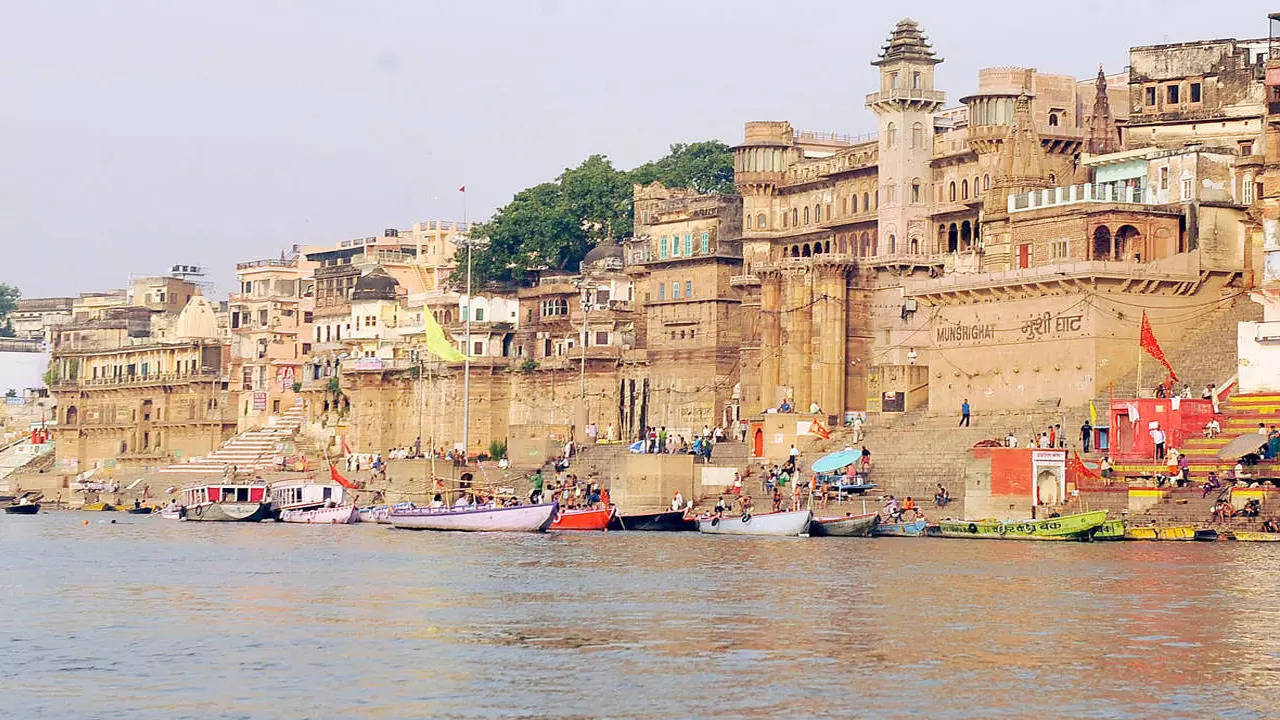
[{"x": 156, "y": 619}]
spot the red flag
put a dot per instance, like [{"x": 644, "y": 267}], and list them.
[
  {"x": 462, "y": 189},
  {"x": 336, "y": 476},
  {"x": 819, "y": 429},
  {"x": 1147, "y": 340},
  {"x": 1076, "y": 468}
]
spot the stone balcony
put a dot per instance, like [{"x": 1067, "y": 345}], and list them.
[{"x": 136, "y": 381}]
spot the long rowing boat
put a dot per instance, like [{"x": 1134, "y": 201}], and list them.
[
  {"x": 341, "y": 515},
  {"x": 915, "y": 528},
  {"x": 518, "y": 518},
  {"x": 667, "y": 521},
  {"x": 1065, "y": 527},
  {"x": 1160, "y": 532},
  {"x": 846, "y": 526},
  {"x": 779, "y": 523},
  {"x": 585, "y": 519},
  {"x": 1253, "y": 536}
]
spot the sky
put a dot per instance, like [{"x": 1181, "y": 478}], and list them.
[{"x": 137, "y": 135}]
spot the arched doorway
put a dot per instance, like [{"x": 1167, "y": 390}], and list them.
[
  {"x": 1047, "y": 488},
  {"x": 1102, "y": 247},
  {"x": 73, "y": 415},
  {"x": 942, "y": 238},
  {"x": 966, "y": 236},
  {"x": 1129, "y": 243},
  {"x": 757, "y": 443},
  {"x": 953, "y": 238}
]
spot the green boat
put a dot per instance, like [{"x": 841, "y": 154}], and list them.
[
  {"x": 1110, "y": 530},
  {"x": 1065, "y": 527}
]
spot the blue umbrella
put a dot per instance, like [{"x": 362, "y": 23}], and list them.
[{"x": 836, "y": 460}]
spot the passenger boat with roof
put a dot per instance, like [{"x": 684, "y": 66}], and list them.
[
  {"x": 226, "y": 502},
  {"x": 312, "y": 502}
]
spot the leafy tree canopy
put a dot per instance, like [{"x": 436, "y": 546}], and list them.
[
  {"x": 553, "y": 225},
  {"x": 8, "y": 299}
]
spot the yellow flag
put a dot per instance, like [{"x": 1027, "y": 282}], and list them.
[
  {"x": 1093, "y": 414},
  {"x": 437, "y": 343}
]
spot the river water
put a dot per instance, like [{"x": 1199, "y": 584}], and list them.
[{"x": 159, "y": 619}]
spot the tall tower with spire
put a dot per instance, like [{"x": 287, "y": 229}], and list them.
[
  {"x": 905, "y": 104},
  {"x": 1102, "y": 137}
]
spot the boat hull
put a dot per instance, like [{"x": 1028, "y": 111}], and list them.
[
  {"x": 669, "y": 521},
  {"x": 1251, "y": 536},
  {"x": 99, "y": 507},
  {"x": 912, "y": 529},
  {"x": 1153, "y": 532},
  {"x": 777, "y": 524},
  {"x": 848, "y": 526},
  {"x": 230, "y": 512},
  {"x": 30, "y": 509},
  {"x": 343, "y": 515},
  {"x": 521, "y": 518},
  {"x": 594, "y": 519},
  {"x": 1066, "y": 527}
]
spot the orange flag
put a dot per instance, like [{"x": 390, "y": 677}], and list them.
[{"x": 1147, "y": 340}]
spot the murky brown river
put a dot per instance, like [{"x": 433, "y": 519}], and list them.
[{"x": 158, "y": 619}]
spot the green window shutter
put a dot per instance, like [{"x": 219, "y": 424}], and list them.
[
  {"x": 662, "y": 251},
  {"x": 706, "y": 243}
]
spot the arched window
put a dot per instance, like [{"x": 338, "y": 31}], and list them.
[
  {"x": 866, "y": 206},
  {"x": 915, "y": 191},
  {"x": 893, "y": 241},
  {"x": 806, "y": 215},
  {"x": 748, "y": 221},
  {"x": 760, "y": 223},
  {"x": 917, "y": 135},
  {"x": 986, "y": 182},
  {"x": 891, "y": 137},
  {"x": 891, "y": 194},
  {"x": 975, "y": 186},
  {"x": 1053, "y": 179},
  {"x": 855, "y": 203},
  {"x": 1053, "y": 119},
  {"x": 795, "y": 217},
  {"x": 952, "y": 191},
  {"x": 915, "y": 81},
  {"x": 964, "y": 189}
]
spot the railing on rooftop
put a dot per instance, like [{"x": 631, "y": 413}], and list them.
[
  {"x": 269, "y": 262},
  {"x": 832, "y": 137},
  {"x": 139, "y": 380},
  {"x": 1085, "y": 193}
]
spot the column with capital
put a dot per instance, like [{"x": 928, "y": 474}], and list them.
[{"x": 770, "y": 336}]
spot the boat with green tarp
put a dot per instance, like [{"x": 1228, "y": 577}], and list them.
[{"x": 1064, "y": 527}]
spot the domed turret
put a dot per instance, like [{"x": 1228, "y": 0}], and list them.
[
  {"x": 376, "y": 284},
  {"x": 605, "y": 255}
]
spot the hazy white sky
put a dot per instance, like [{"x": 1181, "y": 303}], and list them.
[{"x": 141, "y": 134}]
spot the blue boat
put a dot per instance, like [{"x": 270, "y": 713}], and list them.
[{"x": 909, "y": 529}]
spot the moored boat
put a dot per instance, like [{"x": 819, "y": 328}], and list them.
[
  {"x": 517, "y": 518},
  {"x": 307, "y": 495},
  {"x": 226, "y": 503},
  {"x": 1253, "y": 536},
  {"x": 339, "y": 515},
  {"x": 585, "y": 519},
  {"x": 1110, "y": 530},
  {"x": 914, "y": 528},
  {"x": 667, "y": 521},
  {"x": 847, "y": 526},
  {"x": 1209, "y": 535},
  {"x": 99, "y": 507},
  {"x": 1160, "y": 532},
  {"x": 780, "y": 523},
  {"x": 22, "y": 508},
  {"x": 1064, "y": 527}
]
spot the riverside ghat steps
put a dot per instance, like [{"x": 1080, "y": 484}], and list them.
[{"x": 250, "y": 451}]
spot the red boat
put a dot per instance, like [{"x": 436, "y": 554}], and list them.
[{"x": 590, "y": 519}]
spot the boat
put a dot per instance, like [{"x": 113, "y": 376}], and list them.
[
  {"x": 469, "y": 518},
  {"x": 780, "y": 523},
  {"x": 172, "y": 511},
  {"x": 847, "y": 526},
  {"x": 666, "y": 521},
  {"x": 914, "y": 528},
  {"x": 1110, "y": 530},
  {"x": 1078, "y": 526},
  {"x": 584, "y": 519},
  {"x": 1209, "y": 535},
  {"x": 1158, "y": 532},
  {"x": 338, "y": 515},
  {"x": 1253, "y": 536},
  {"x": 99, "y": 507},
  {"x": 307, "y": 495},
  {"x": 375, "y": 514},
  {"x": 29, "y": 508},
  {"x": 227, "y": 503}
]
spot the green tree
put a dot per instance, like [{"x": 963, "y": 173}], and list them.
[
  {"x": 554, "y": 224},
  {"x": 8, "y": 301}
]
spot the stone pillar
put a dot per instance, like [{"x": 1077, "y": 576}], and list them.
[
  {"x": 835, "y": 332},
  {"x": 820, "y": 335},
  {"x": 770, "y": 336},
  {"x": 799, "y": 367}
]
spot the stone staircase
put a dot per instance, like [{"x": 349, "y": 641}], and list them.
[
  {"x": 250, "y": 451},
  {"x": 1206, "y": 355},
  {"x": 912, "y": 452}
]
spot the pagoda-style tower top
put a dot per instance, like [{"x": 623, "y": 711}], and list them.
[{"x": 907, "y": 42}]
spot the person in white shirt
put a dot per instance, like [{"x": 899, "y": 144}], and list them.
[
  {"x": 677, "y": 501},
  {"x": 1011, "y": 441},
  {"x": 793, "y": 453}
]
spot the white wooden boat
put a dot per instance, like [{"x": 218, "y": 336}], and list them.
[
  {"x": 307, "y": 495},
  {"x": 779, "y": 523},
  {"x": 340, "y": 515},
  {"x": 487, "y": 518}
]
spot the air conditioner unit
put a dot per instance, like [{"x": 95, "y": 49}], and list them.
[{"x": 1267, "y": 332}]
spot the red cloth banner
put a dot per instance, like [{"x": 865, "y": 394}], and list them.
[
  {"x": 1147, "y": 340},
  {"x": 337, "y": 477}
]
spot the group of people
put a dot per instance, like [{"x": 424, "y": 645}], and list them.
[
  {"x": 896, "y": 512},
  {"x": 569, "y": 490},
  {"x": 1050, "y": 438},
  {"x": 657, "y": 441}
]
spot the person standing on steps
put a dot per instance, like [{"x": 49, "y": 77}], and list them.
[
  {"x": 1086, "y": 434},
  {"x": 964, "y": 413}
]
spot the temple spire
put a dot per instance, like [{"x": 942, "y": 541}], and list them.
[
  {"x": 1101, "y": 138},
  {"x": 1022, "y": 161}
]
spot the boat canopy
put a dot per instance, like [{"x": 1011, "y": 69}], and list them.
[{"x": 836, "y": 460}]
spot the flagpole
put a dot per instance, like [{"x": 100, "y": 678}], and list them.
[{"x": 466, "y": 347}]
